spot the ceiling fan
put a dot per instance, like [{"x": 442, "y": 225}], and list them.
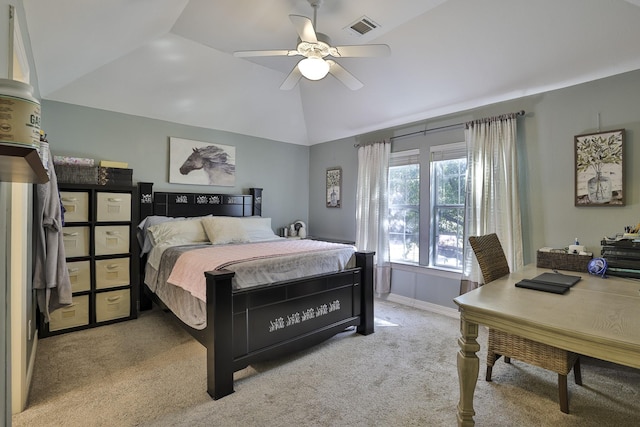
[{"x": 315, "y": 47}]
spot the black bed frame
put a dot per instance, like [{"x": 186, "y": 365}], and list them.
[{"x": 260, "y": 323}]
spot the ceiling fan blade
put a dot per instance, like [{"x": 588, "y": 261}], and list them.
[
  {"x": 343, "y": 75},
  {"x": 250, "y": 53},
  {"x": 292, "y": 79},
  {"x": 304, "y": 28},
  {"x": 366, "y": 50}
]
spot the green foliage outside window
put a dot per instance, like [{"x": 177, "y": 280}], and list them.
[
  {"x": 447, "y": 212},
  {"x": 404, "y": 212},
  {"x": 450, "y": 182}
]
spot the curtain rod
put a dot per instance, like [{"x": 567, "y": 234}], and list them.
[{"x": 424, "y": 132}]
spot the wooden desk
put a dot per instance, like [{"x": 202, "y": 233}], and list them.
[{"x": 596, "y": 317}]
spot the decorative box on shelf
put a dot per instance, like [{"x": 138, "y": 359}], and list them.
[
  {"x": 77, "y": 174},
  {"x": 114, "y": 176},
  {"x": 562, "y": 260},
  {"x": 93, "y": 175}
]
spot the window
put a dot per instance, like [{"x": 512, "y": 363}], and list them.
[
  {"x": 404, "y": 206},
  {"x": 442, "y": 214},
  {"x": 448, "y": 182}
]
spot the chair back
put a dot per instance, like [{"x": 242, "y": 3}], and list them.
[{"x": 490, "y": 256}]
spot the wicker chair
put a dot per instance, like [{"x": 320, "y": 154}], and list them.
[{"x": 493, "y": 265}]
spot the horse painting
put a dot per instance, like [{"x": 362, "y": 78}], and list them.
[{"x": 215, "y": 162}]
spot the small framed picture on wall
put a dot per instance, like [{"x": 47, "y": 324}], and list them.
[{"x": 334, "y": 187}]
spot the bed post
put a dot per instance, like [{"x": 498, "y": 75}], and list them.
[
  {"x": 364, "y": 260},
  {"x": 219, "y": 334},
  {"x": 145, "y": 194},
  {"x": 257, "y": 201}
]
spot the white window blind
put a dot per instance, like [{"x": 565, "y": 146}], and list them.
[
  {"x": 403, "y": 158},
  {"x": 456, "y": 150}
]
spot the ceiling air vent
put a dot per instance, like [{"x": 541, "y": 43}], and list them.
[{"x": 362, "y": 26}]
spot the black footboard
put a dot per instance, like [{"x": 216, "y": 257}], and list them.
[
  {"x": 261, "y": 323},
  {"x": 265, "y": 322}
]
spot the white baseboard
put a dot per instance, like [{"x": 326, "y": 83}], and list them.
[
  {"x": 423, "y": 305},
  {"x": 31, "y": 365}
]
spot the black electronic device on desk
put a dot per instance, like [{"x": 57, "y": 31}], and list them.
[{"x": 556, "y": 283}]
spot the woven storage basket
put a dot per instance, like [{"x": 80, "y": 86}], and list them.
[
  {"x": 75, "y": 174},
  {"x": 563, "y": 261}
]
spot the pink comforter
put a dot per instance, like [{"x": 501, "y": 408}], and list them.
[{"x": 188, "y": 272}]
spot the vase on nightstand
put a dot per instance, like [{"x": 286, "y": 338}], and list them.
[{"x": 599, "y": 188}]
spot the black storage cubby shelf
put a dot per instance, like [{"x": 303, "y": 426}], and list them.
[{"x": 102, "y": 257}]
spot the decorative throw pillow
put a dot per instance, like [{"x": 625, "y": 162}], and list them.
[{"x": 224, "y": 229}]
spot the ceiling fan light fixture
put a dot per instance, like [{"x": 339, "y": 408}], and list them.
[
  {"x": 313, "y": 68},
  {"x": 314, "y": 47}
]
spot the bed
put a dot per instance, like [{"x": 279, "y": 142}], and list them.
[{"x": 250, "y": 324}]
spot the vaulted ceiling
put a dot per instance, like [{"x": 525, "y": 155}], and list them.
[{"x": 173, "y": 59}]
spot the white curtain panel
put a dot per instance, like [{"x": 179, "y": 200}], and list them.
[
  {"x": 372, "y": 209},
  {"x": 492, "y": 204}
]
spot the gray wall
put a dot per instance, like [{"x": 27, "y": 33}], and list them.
[
  {"x": 336, "y": 223},
  {"x": 281, "y": 169},
  {"x": 546, "y": 169},
  {"x": 294, "y": 176}
]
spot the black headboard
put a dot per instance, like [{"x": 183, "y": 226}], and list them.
[
  {"x": 198, "y": 204},
  {"x": 193, "y": 204}
]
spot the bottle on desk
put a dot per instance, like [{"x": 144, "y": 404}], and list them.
[{"x": 576, "y": 248}]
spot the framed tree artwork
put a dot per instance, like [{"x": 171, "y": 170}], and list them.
[
  {"x": 334, "y": 187},
  {"x": 599, "y": 169}
]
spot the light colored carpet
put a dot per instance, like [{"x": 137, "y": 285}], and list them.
[{"x": 149, "y": 372}]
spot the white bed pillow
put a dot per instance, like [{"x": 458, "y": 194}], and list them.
[
  {"x": 144, "y": 237},
  {"x": 178, "y": 232},
  {"x": 224, "y": 229},
  {"x": 258, "y": 229}
]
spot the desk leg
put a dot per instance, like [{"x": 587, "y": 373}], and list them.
[{"x": 468, "y": 367}]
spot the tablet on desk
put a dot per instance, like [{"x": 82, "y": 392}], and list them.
[
  {"x": 557, "y": 279},
  {"x": 541, "y": 286},
  {"x": 556, "y": 283}
]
